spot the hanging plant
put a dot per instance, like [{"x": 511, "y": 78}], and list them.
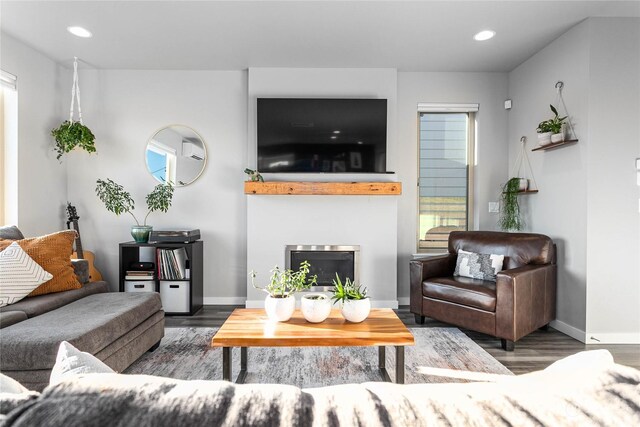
[
  {"x": 71, "y": 133},
  {"x": 510, "y": 210}
]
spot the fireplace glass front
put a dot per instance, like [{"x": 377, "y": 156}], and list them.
[{"x": 325, "y": 262}]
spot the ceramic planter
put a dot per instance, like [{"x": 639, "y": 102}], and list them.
[
  {"x": 280, "y": 309},
  {"x": 315, "y": 310},
  {"x": 140, "y": 233},
  {"x": 557, "y": 137},
  {"x": 544, "y": 138},
  {"x": 356, "y": 310},
  {"x": 523, "y": 184}
]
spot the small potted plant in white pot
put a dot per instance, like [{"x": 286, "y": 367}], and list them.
[
  {"x": 315, "y": 307},
  {"x": 557, "y": 126},
  {"x": 356, "y": 305},
  {"x": 544, "y": 133},
  {"x": 280, "y": 302}
]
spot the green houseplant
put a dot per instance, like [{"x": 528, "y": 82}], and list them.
[
  {"x": 117, "y": 200},
  {"x": 280, "y": 302},
  {"x": 510, "y": 210},
  {"x": 356, "y": 305},
  {"x": 70, "y": 135},
  {"x": 551, "y": 130}
]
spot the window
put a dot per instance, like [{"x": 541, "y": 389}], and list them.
[
  {"x": 8, "y": 149},
  {"x": 446, "y": 144}
]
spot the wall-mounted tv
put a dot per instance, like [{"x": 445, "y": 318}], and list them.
[{"x": 322, "y": 135}]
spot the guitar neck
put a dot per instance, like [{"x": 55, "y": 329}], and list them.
[{"x": 79, "y": 251}]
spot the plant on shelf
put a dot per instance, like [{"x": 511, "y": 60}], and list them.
[
  {"x": 280, "y": 302},
  {"x": 551, "y": 130},
  {"x": 356, "y": 305},
  {"x": 510, "y": 210},
  {"x": 117, "y": 200}
]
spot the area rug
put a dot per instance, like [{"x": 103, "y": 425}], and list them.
[{"x": 439, "y": 355}]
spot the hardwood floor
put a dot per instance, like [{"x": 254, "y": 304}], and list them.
[{"x": 534, "y": 352}]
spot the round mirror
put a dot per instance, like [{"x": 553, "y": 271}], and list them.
[{"x": 176, "y": 154}]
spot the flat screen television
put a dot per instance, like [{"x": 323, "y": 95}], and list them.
[{"x": 322, "y": 135}]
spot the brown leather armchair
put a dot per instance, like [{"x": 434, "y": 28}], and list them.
[{"x": 522, "y": 299}]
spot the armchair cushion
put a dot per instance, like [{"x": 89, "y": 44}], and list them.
[{"x": 462, "y": 290}]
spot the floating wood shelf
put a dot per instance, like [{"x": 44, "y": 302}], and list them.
[
  {"x": 556, "y": 145},
  {"x": 324, "y": 188},
  {"x": 524, "y": 192}
]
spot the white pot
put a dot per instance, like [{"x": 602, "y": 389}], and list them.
[
  {"x": 523, "y": 184},
  {"x": 557, "y": 137},
  {"x": 315, "y": 310},
  {"x": 280, "y": 309},
  {"x": 544, "y": 138},
  {"x": 356, "y": 310}
]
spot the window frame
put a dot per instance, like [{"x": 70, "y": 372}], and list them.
[{"x": 470, "y": 110}]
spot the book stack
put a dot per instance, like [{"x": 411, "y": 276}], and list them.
[
  {"x": 139, "y": 275},
  {"x": 172, "y": 264}
]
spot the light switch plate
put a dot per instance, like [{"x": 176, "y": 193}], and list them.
[
  {"x": 507, "y": 104},
  {"x": 494, "y": 207}
]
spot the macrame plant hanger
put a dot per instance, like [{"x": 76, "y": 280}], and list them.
[
  {"x": 522, "y": 164},
  {"x": 559, "y": 97},
  {"x": 75, "y": 93}
]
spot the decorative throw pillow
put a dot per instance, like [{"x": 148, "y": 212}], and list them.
[
  {"x": 71, "y": 361},
  {"x": 478, "y": 266},
  {"x": 19, "y": 274},
  {"x": 9, "y": 385},
  {"x": 53, "y": 253},
  {"x": 10, "y": 232}
]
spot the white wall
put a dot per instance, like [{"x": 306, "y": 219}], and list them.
[
  {"x": 559, "y": 209},
  {"x": 124, "y": 109},
  {"x": 588, "y": 199},
  {"x": 276, "y": 221},
  {"x": 613, "y": 220},
  {"x": 42, "y": 180},
  {"x": 490, "y": 171}
]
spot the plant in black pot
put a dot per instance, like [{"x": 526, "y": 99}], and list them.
[
  {"x": 510, "y": 209},
  {"x": 117, "y": 200}
]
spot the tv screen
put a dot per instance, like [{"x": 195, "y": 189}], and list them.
[{"x": 322, "y": 135}]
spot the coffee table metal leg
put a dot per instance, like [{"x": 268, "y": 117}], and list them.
[
  {"x": 400, "y": 364},
  {"x": 382, "y": 364},
  {"x": 243, "y": 366},
  {"x": 226, "y": 363}
]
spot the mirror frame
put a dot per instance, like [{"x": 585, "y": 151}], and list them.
[{"x": 204, "y": 146}]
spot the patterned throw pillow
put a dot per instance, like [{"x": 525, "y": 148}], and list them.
[
  {"x": 478, "y": 266},
  {"x": 19, "y": 274},
  {"x": 70, "y": 361},
  {"x": 53, "y": 253}
]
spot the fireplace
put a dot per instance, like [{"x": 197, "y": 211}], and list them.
[{"x": 325, "y": 262}]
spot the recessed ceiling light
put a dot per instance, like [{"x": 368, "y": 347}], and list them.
[
  {"x": 359, "y": 142},
  {"x": 80, "y": 32},
  {"x": 334, "y": 137},
  {"x": 336, "y": 131},
  {"x": 484, "y": 35}
]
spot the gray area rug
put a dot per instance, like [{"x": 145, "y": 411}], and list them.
[{"x": 440, "y": 355}]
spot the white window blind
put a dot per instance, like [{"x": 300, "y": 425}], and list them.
[
  {"x": 436, "y": 107},
  {"x": 8, "y": 80}
]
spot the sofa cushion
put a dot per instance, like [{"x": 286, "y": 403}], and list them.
[
  {"x": 462, "y": 290},
  {"x": 8, "y": 318},
  {"x": 89, "y": 324},
  {"x": 19, "y": 274},
  {"x": 35, "y": 306},
  {"x": 10, "y": 232},
  {"x": 53, "y": 253}
]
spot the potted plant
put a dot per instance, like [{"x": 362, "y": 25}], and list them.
[
  {"x": 280, "y": 302},
  {"x": 557, "y": 126},
  {"x": 72, "y": 134},
  {"x": 356, "y": 305},
  {"x": 510, "y": 209},
  {"x": 315, "y": 307},
  {"x": 544, "y": 133},
  {"x": 117, "y": 200}
]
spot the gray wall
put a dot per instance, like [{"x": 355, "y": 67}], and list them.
[
  {"x": 41, "y": 179},
  {"x": 490, "y": 168}
]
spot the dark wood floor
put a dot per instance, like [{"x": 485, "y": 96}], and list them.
[{"x": 533, "y": 352}]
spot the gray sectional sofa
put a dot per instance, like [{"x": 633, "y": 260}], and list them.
[{"x": 115, "y": 327}]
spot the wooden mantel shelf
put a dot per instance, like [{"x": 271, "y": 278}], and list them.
[{"x": 324, "y": 188}]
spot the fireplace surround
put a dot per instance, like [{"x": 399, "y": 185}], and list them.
[{"x": 326, "y": 261}]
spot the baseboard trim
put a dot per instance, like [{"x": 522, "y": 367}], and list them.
[
  {"x": 403, "y": 300},
  {"x": 613, "y": 338},
  {"x": 569, "y": 330},
  {"x": 374, "y": 303},
  {"x": 224, "y": 300}
]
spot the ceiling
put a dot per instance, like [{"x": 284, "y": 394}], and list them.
[{"x": 232, "y": 35}]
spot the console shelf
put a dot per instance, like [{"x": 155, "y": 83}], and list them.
[{"x": 324, "y": 188}]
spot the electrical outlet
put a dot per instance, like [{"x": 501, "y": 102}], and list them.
[{"x": 494, "y": 207}]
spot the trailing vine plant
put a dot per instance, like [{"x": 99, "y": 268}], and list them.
[{"x": 510, "y": 210}]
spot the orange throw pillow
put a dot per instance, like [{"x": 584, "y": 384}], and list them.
[{"x": 53, "y": 253}]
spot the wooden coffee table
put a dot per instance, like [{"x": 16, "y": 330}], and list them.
[{"x": 251, "y": 328}]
